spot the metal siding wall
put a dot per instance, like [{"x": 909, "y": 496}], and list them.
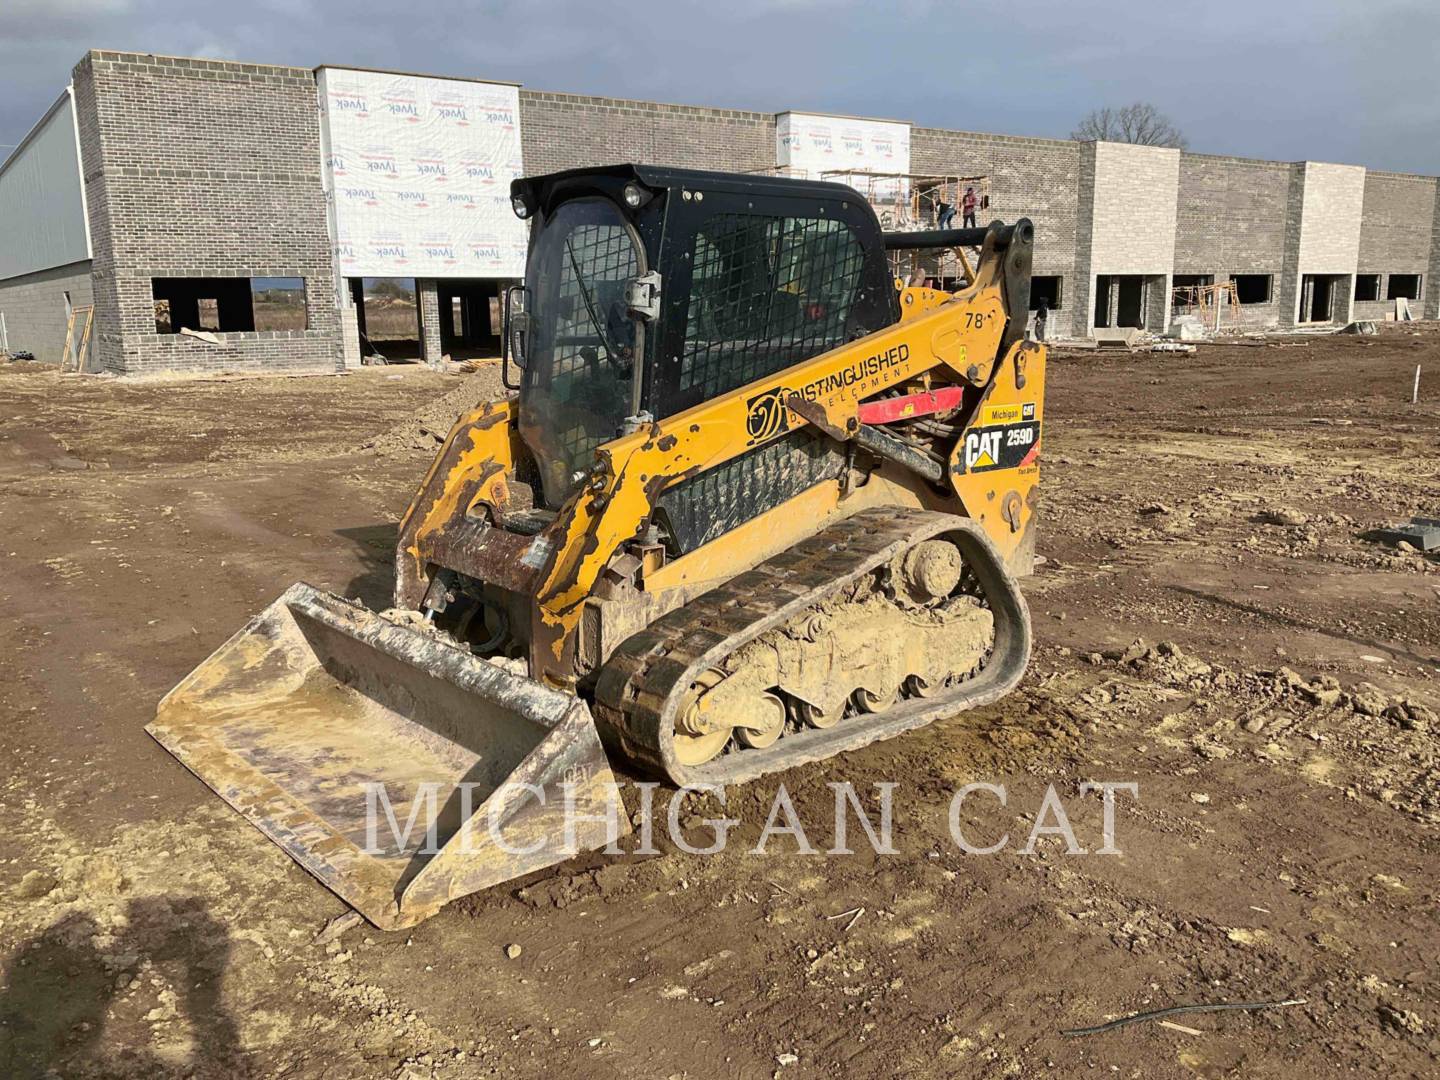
[{"x": 42, "y": 204}]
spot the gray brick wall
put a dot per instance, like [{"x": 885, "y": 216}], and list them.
[
  {"x": 1395, "y": 235},
  {"x": 1431, "y": 306},
  {"x": 1034, "y": 178},
  {"x": 1230, "y": 218},
  {"x": 1322, "y": 234},
  {"x": 34, "y": 309},
  {"x": 568, "y": 131},
  {"x": 1082, "y": 315},
  {"x": 427, "y": 300},
  {"x": 1230, "y": 215},
  {"x": 204, "y": 168},
  {"x": 201, "y": 168},
  {"x": 1287, "y": 287}
]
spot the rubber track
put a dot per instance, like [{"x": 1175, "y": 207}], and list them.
[{"x": 641, "y": 685}]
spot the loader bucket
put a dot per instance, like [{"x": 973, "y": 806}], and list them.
[{"x": 391, "y": 765}]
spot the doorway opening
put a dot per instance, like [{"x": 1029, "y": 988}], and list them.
[
  {"x": 469, "y": 317},
  {"x": 1120, "y": 300},
  {"x": 1317, "y": 298},
  {"x": 388, "y": 318}
]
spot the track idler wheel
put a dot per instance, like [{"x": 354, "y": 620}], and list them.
[
  {"x": 867, "y": 701},
  {"x": 765, "y": 725},
  {"x": 817, "y": 717},
  {"x": 696, "y": 742}
]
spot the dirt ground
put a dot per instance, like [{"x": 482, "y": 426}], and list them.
[{"x": 1278, "y": 717}]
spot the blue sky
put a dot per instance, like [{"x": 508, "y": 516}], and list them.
[{"x": 1345, "y": 82}]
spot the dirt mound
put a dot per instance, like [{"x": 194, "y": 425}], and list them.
[{"x": 426, "y": 427}]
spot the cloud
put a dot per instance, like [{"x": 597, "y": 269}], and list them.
[
  {"x": 1247, "y": 77},
  {"x": 20, "y": 10}
]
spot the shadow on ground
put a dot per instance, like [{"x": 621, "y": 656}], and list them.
[
  {"x": 60, "y": 987},
  {"x": 375, "y": 544}
]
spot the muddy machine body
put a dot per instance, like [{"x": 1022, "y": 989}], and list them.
[{"x": 754, "y": 503}]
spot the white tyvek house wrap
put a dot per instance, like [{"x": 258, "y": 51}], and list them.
[
  {"x": 812, "y": 145},
  {"x": 418, "y": 171}
]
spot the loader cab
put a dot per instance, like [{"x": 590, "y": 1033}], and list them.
[{"x": 649, "y": 290}]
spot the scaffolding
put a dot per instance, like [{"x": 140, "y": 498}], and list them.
[
  {"x": 912, "y": 202},
  {"x": 1215, "y": 305}
]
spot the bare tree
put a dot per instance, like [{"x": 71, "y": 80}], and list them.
[{"x": 1139, "y": 123}]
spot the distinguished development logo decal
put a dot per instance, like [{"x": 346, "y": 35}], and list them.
[{"x": 767, "y": 415}]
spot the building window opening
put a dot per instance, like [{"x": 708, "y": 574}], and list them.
[
  {"x": 1403, "y": 287},
  {"x": 469, "y": 317},
  {"x": 279, "y": 303},
  {"x": 391, "y": 313},
  {"x": 1121, "y": 300},
  {"x": 1367, "y": 287},
  {"x": 228, "y": 305},
  {"x": 221, "y": 305},
  {"x": 1189, "y": 292},
  {"x": 1130, "y": 301},
  {"x": 1252, "y": 288}
]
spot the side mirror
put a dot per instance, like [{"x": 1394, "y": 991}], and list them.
[{"x": 513, "y": 332}]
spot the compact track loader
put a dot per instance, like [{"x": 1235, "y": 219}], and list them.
[{"x": 756, "y": 502}]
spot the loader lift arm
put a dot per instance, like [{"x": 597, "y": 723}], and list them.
[
  {"x": 757, "y": 503},
  {"x": 962, "y": 332}
]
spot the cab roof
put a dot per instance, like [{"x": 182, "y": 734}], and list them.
[{"x": 540, "y": 190}]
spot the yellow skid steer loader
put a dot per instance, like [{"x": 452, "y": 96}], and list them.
[{"x": 755, "y": 503}]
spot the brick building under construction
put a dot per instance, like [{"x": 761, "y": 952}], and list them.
[{"x": 299, "y": 218}]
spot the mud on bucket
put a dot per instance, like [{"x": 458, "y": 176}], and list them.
[{"x": 399, "y": 770}]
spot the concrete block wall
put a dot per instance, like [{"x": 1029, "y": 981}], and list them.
[
  {"x": 201, "y": 168},
  {"x": 1322, "y": 234},
  {"x": 1287, "y": 289},
  {"x": 568, "y": 131},
  {"x": 1132, "y": 192},
  {"x": 1396, "y": 236},
  {"x": 34, "y": 309},
  {"x": 1034, "y": 178},
  {"x": 1134, "y": 208},
  {"x": 1334, "y": 206},
  {"x": 1230, "y": 218},
  {"x": 1082, "y": 317}
]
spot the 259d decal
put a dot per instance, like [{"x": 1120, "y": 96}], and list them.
[{"x": 1001, "y": 446}]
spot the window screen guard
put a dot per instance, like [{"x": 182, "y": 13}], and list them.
[{"x": 766, "y": 292}]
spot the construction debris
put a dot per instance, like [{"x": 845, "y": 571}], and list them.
[
  {"x": 1187, "y": 328},
  {"x": 1122, "y": 337},
  {"x": 337, "y": 927},
  {"x": 1155, "y": 1014},
  {"x": 1422, "y": 534}
]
